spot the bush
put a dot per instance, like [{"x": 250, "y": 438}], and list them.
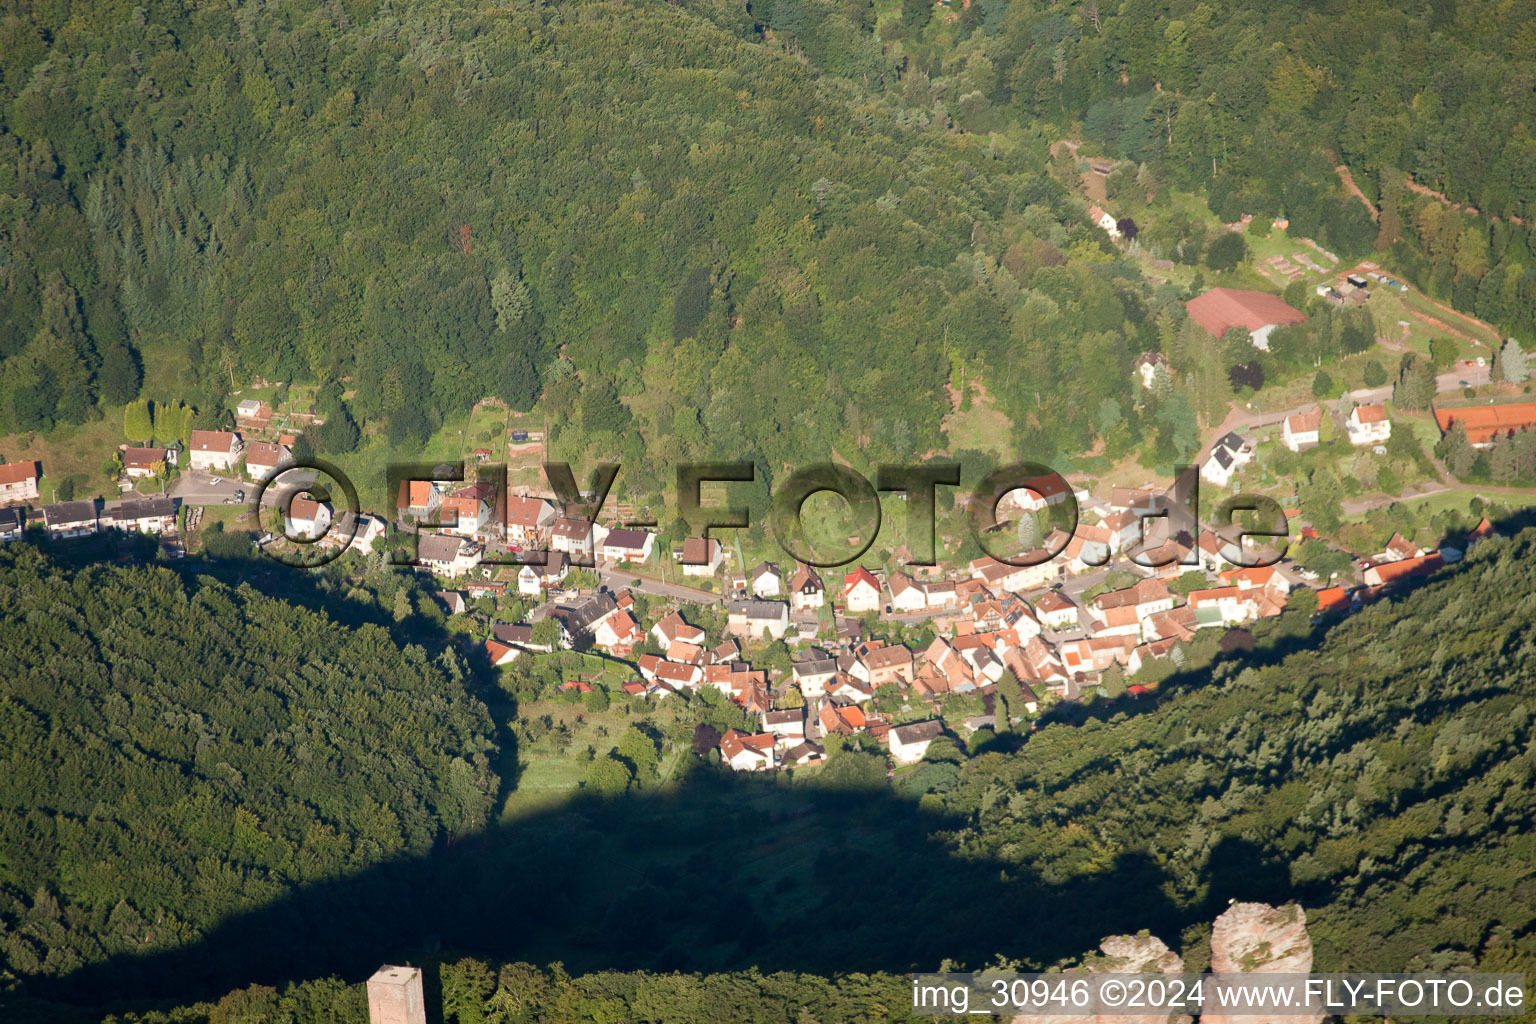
[
  {"x": 1375, "y": 374},
  {"x": 1322, "y": 385}
]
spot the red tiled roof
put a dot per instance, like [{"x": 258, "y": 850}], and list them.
[
  {"x": 1221, "y": 309},
  {"x": 1485, "y": 422},
  {"x": 16, "y": 472}
]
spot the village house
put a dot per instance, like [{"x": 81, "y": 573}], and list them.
[
  {"x": 19, "y": 481},
  {"x": 1258, "y": 313},
  {"x": 216, "y": 451},
  {"x": 249, "y": 408},
  {"x": 306, "y": 518},
  {"x": 1056, "y": 611},
  {"x": 13, "y": 525},
  {"x": 671, "y": 629},
  {"x": 143, "y": 515},
  {"x": 1389, "y": 573},
  {"x": 843, "y": 719},
  {"x": 1121, "y": 612},
  {"x": 263, "y": 459},
  {"x": 1016, "y": 579},
  {"x": 1368, "y": 424},
  {"x": 617, "y": 633},
  {"x": 1035, "y": 495},
  {"x": 467, "y": 510},
  {"x": 907, "y": 595},
  {"x": 546, "y": 569},
  {"x": 1399, "y": 548},
  {"x": 509, "y": 641},
  {"x": 1230, "y": 452},
  {"x": 787, "y": 727},
  {"x": 910, "y": 742},
  {"x": 861, "y": 591},
  {"x": 1149, "y": 652},
  {"x": 572, "y": 536},
  {"x": 621, "y": 545},
  {"x": 445, "y": 554},
  {"x": 70, "y": 519},
  {"x": 419, "y": 498},
  {"x": 765, "y": 581},
  {"x": 452, "y": 601},
  {"x": 941, "y": 594},
  {"x": 357, "y": 532},
  {"x": 700, "y": 556},
  {"x": 1105, "y": 220},
  {"x": 813, "y": 674},
  {"x": 892, "y": 664},
  {"x": 1096, "y": 653},
  {"x": 806, "y": 591},
  {"x": 528, "y": 520},
  {"x": 747, "y": 753},
  {"x": 139, "y": 463},
  {"x": 1147, "y": 368},
  {"x": 1301, "y": 430},
  {"x": 752, "y": 619},
  {"x": 1230, "y": 606}
]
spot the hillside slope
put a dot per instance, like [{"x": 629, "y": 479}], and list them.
[{"x": 173, "y": 752}]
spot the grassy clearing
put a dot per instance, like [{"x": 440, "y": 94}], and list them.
[{"x": 70, "y": 451}]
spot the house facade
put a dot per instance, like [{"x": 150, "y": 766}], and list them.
[
  {"x": 216, "y": 451},
  {"x": 19, "y": 481}
]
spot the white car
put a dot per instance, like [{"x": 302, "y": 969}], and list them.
[{"x": 216, "y": 481}]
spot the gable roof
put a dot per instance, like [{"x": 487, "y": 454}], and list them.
[
  {"x": 16, "y": 472},
  {"x": 1370, "y": 414},
  {"x": 1221, "y": 309},
  {"x": 763, "y": 569},
  {"x": 263, "y": 453},
  {"x": 527, "y": 512},
  {"x": 859, "y": 575},
  {"x": 628, "y": 540},
  {"x": 435, "y": 546},
  {"x": 916, "y": 732},
  {"x": 69, "y": 512},
  {"x": 213, "y": 441},
  {"x": 1309, "y": 422}
]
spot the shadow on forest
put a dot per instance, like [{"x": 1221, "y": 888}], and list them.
[
  {"x": 725, "y": 872},
  {"x": 721, "y": 873}
]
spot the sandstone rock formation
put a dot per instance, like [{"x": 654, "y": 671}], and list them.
[{"x": 1247, "y": 938}]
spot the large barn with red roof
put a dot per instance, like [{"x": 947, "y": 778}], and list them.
[{"x": 1221, "y": 309}]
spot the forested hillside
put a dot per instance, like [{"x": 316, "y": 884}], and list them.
[
  {"x": 1382, "y": 774},
  {"x": 1256, "y": 102},
  {"x": 172, "y": 752}
]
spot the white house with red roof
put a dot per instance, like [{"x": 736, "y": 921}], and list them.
[
  {"x": 528, "y": 520},
  {"x": 306, "y": 517},
  {"x": 264, "y": 458},
  {"x": 744, "y": 752},
  {"x": 861, "y": 591},
  {"x": 213, "y": 450},
  {"x": 19, "y": 481},
  {"x": 1368, "y": 424}
]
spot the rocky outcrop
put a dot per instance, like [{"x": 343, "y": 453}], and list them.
[
  {"x": 1260, "y": 938},
  {"x": 1247, "y": 938},
  {"x": 1119, "y": 954},
  {"x": 1256, "y": 938}
]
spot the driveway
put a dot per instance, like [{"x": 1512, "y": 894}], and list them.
[{"x": 196, "y": 487}]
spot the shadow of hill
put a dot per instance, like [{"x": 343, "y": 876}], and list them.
[{"x": 721, "y": 873}]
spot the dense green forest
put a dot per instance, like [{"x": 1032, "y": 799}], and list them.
[
  {"x": 1379, "y": 772},
  {"x": 1254, "y": 104},
  {"x": 685, "y": 226},
  {"x": 176, "y": 750}
]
